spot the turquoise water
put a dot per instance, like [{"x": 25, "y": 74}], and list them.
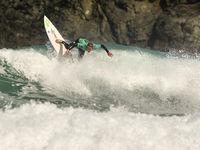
[{"x": 139, "y": 99}]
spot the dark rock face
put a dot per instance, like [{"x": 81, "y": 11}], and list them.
[
  {"x": 132, "y": 22},
  {"x": 152, "y": 24},
  {"x": 179, "y": 28}
]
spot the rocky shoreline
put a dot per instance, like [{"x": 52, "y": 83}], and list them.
[{"x": 153, "y": 24}]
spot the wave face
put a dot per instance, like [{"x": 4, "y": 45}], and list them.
[
  {"x": 139, "y": 99},
  {"x": 137, "y": 79}
]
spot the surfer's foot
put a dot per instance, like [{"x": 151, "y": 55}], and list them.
[{"x": 59, "y": 41}]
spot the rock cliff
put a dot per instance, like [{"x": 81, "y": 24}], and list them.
[{"x": 152, "y": 24}]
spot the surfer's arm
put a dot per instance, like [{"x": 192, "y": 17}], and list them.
[{"x": 109, "y": 53}]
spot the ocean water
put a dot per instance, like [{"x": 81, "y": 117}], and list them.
[{"x": 137, "y": 100}]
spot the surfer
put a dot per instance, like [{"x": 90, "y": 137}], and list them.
[{"x": 83, "y": 45}]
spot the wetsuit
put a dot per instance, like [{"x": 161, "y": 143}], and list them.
[{"x": 81, "y": 44}]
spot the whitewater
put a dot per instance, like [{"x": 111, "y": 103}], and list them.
[{"x": 137, "y": 100}]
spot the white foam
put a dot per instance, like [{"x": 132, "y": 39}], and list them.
[
  {"x": 131, "y": 78},
  {"x": 123, "y": 75},
  {"x": 44, "y": 126}
]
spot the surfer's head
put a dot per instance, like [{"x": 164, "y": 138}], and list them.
[{"x": 89, "y": 47}]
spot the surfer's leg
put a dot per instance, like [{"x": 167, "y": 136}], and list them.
[
  {"x": 66, "y": 45},
  {"x": 73, "y": 44},
  {"x": 80, "y": 54}
]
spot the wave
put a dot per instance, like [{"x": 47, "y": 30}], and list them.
[{"x": 139, "y": 80}]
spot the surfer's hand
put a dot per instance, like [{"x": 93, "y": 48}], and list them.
[
  {"x": 67, "y": 52},
  {"x": 110, "y": 54},
  {"x": 59, "y": 41}
]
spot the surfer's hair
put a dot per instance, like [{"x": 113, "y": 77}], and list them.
[{"x": 90, "y": 44}]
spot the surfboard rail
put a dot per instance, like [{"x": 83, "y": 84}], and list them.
[{"x": 54, "y": 34}]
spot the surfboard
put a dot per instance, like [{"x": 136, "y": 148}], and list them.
[{"x": 53, "y": 34}]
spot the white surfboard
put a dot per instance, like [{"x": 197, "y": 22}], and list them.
[{"x": 53, "y": 34}]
